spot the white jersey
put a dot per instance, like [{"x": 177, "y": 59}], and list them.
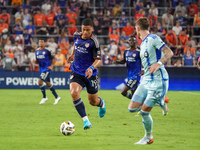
[{"x": 150, "y": 54}]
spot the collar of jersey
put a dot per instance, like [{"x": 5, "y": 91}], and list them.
[{"x": 146, "y": 37}]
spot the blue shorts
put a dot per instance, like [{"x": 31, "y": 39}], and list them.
[
  {"x": 132, "y": 84},
  {"x": 91, "y": 84},
  {"x": 151, "y": 92},
  {"x": 45, "y": 76}
]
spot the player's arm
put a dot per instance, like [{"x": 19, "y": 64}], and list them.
[
  {"x": 53, "y": 61},
  {"x": 70, "y": 57},
  {"x": 167, "y": 55}
]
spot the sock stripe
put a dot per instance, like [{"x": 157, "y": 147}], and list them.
[{"x": 80, "y": 101}]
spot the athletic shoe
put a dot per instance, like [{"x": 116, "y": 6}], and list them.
[
  {"x": 43, "y": 100},
  {"x": 57, "y": 100},
  {"x": 165, "y": 109},
  {"x": 166, "y": 99},
  {"x": 87, "y": 125},
  {"x": 102, "y": 111},
  {"x": 144, "y": 141},
  {"x": 138, "y": 113}
]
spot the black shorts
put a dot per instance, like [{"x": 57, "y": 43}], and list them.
[
  {"x": 91, "y": 84},
  {"x": 132, "y": 84},
  {"x": 45, "y": 76}
]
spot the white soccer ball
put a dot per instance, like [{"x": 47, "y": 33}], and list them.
[{"x": 67, "y": 128}]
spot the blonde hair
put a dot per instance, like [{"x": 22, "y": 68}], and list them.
[{"x": 143, "y": 23}]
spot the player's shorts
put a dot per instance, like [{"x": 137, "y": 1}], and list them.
[
  {"x": 151, "y": 92},
  {"x": 45, "y": 76},
  {"x": 132, "y": 84},
  {"x": 91, "y": 84}
]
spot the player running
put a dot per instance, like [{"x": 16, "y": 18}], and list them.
[
  {"x": 46, "y": 63},
  {"x": 154, "y": 86},
  {"x": 133, "y": 62},
  {"x": 87, "y": 57}
]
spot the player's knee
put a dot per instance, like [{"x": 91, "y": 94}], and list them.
[
  {"x": 40, "y": 82},
  {"x": 123, "y": 93},
  {"x": 75, "y": 94},
  {"x": 133, "y": 109},
  {"x": 48, "y": 84},
  {"x": 92, "y": 102}
]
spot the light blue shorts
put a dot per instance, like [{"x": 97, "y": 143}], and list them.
[{"x": 151, "y": 92}]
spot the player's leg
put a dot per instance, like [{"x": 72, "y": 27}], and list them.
[
  {"x": 137, "y": 99},
  {"x": 131, "y": 84},
  {"x": 94, "y": 100},
  {"x": 76, "y": 85},
  {"x": 42, "y": 87},
  {"x": 50, "y": 86},
  {"x": 125, "y": 92}
]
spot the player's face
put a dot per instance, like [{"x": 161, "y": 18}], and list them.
[
  {"x": 41, "y": 43},
  {"x": 132, "y": 42},
  {"x": 86, "y": 31},
  {"x": 138, "y": 31}
]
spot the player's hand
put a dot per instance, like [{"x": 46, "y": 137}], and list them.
[
  {"x": 50, "y": 67},
  {"x": 88, "y": 73},
  {"x": 153, "y": 68},
  {"x": 70, "y": 58},
  {"x": 141, "y": 73}
]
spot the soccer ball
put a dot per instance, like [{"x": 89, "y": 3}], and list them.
[{"x": 67, "y": 128}]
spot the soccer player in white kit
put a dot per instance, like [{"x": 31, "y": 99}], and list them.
[{"x": 154, "y": 86}]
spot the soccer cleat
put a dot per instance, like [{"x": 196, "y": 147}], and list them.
[
  {"x": 144, "y": 141},
  {"x": 102, "y": 111},
  {"x": 87, "y": 125},
  {"x": 57, "y": 100},
  {"x": 166, "y": 99},
  {"x": 138, "y": 113},
  {"x": 43, "y": 100},
  {"x": 165, "y": 109}
]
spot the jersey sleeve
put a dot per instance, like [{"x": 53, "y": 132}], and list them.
[
  {"x": 158, "y": 43},
  {"x": 96, "y": 48},
  {"x": 51, "y": 56},
  {"x": 124, "y": 56}
]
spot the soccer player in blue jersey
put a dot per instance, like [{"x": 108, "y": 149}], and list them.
[
  {"x": 46, "y": 62},
  {"x": 154, "y": 53},
  {"x": 133, "y": 62},
  {"x": 87, "y": 57}
]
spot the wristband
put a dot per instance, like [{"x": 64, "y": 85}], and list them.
[
  {"x": 160, "y": 63},
  {"x": 91, "y": 67}
]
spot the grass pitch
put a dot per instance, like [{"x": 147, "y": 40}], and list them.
[{"x": 26, "y": 125}]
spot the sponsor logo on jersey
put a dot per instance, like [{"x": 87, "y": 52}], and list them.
[{"x": 87, "y": 45}]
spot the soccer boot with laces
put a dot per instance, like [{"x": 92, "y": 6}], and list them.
[
  {"x": 87, "y": 125},
  {"x": 43, "y": 100},
  {"x": 144, "y": 141},
  {"x": 57, "y": 100},
  {"x": 102, "y": 110}
]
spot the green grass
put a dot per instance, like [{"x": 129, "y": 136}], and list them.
[{"x": 26, "y": 125}]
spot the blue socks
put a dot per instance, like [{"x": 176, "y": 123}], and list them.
[
  {"x": 80, "y": 107},
  {"x": 42, "y": 87},
  {"x": 53, "y": 91},
  {"x": 100, "y": 103}
]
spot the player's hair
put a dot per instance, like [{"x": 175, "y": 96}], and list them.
[
  {"x": 87, "y": 22},
  {"x": 42, "y": 39},
  {"x": 143, "y": 23}
]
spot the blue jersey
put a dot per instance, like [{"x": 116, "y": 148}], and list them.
[
  {"x": 27, "y": 39},
  {"x": 133, "y": 62},
  {"x": 44, "y": 58},
  {"x": 86, "y": 51}
]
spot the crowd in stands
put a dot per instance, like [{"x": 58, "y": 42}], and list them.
[{"x": 22, "y": 22}]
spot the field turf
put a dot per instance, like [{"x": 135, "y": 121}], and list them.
[{"x": 26, "y": 125}]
